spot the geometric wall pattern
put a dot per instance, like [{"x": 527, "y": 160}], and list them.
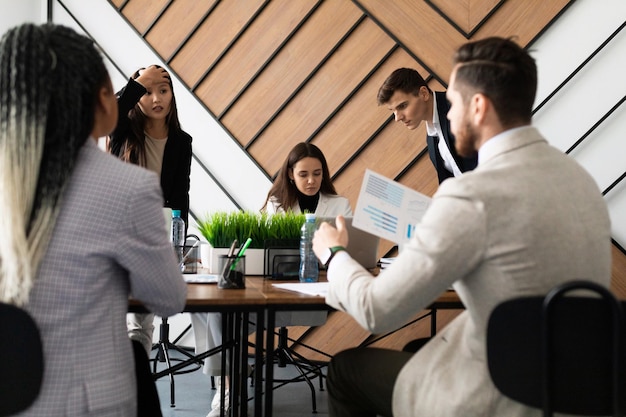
[{"x": 280, "y": 72}]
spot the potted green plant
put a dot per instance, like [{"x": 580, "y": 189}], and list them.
[{"x": 221, "y": 228}]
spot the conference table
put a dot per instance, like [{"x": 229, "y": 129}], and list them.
[{"x": 261, "y": 297}]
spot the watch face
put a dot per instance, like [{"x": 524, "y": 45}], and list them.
[{"x": 326, "y": 256}]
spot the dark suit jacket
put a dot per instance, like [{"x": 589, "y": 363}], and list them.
[
  {"x": 176, "y": 167},
  {"x": 464, "y": 164}
]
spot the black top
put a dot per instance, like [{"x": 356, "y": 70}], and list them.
[{"x": 308, "y": 203}]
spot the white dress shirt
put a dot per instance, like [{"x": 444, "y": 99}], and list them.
[{"x": 434, "y": 129}]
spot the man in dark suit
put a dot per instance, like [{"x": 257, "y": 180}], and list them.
[{"x": 406, "y": 94}]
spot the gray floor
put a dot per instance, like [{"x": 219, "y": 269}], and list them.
[{"x": 193, "y": 395}]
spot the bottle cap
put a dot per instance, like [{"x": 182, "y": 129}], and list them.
[
  {"x": 309, "y": 216},
  {"x": 175, "y": 213}
]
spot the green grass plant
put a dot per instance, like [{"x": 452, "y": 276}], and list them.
[{"x": 221, "y": 228}]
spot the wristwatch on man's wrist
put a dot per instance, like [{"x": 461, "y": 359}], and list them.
[{"x": 329, "y": 254}]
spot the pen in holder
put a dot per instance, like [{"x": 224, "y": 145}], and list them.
[{"x": 232, "y": 272}]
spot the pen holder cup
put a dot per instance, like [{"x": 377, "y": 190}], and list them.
[
  {"x": 191, "y": 259},
  {"x": 232, "y": 272}
]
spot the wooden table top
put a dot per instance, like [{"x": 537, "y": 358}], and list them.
[
  {"x": 279, "y": 296},
  {"x": 203, "y": 294},
  {"x": 260, "y": 292}
]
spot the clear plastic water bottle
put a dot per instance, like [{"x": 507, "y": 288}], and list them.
[
  {"x": 177, "y": 235},
  {"x": 309, "y": 270}
]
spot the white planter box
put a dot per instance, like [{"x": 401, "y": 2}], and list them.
[{"x": 254, "y": 259}]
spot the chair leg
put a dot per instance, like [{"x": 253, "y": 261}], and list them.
[
  {"x": 162, "y": 355},
  {"x": 284, "y": 355},
  {"x": 304, "y": 375}
]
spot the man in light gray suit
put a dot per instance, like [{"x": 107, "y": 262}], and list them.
[
  {"x": 526, "y": 219},
  {"x": 82, "y": 231}
]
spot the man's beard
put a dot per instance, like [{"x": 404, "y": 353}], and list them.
[{"x": 465, "y": 140}]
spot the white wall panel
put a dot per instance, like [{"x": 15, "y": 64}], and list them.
[
  {"x": 589, "y": 95},
  {"x": 20, "y": 12},
  {"x": 603, "y": 152},
  {"x": 586, "y": 97},
  {"x": 576, "y": 34}
]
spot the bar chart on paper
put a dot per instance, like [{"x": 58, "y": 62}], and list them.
[{"x": 387, "y": 208}]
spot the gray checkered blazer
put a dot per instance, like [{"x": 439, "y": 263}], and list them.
[{"x": 109, "y": 242}]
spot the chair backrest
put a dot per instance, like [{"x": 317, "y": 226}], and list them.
[
  {"x": 21, "y": 360},
  {"x": 560, "y": 354}
]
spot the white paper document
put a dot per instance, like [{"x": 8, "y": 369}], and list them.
[
  {"x": 388, "y": 209},
  {"x": 309, "y": 288},
  {"x": 201, "y": 278}
]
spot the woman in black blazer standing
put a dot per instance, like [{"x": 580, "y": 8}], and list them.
[
  {"x": 148, "y": 134},
  {"x": 148, "y": 131}
]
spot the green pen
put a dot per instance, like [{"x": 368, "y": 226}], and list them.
[{"x": 240, "y": 253}]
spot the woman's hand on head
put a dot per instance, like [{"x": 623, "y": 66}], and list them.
[
  {"x": 328, "y": 236},
  {"x": 152, "y": 75}
]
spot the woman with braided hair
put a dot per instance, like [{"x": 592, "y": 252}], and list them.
[{"x": 82, "y": 231}]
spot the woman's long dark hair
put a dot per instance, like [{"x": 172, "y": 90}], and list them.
[
  {"x": 50, "y": 77},
  {"x": 284, "y": 191},
  {"x": 133, "y": 148}
]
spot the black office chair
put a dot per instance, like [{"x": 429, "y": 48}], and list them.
[
  {"x": 21, "y": 360},
  {"x": 560, "y": 353}
]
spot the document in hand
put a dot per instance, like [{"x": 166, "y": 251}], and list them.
[{"x": 387, "y": 208}]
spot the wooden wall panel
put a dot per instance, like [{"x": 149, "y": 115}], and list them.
[
  {"x": 421, "y": 29},
  {"x": 430, "y": 37},
  {"x": 251, "y": 52},
  {"x": 212, "y": 37},
  {"x": 360, "y": 117},
  {"x": 289, "y": 69},
  {"x": 522, "y": 19},
  {"x": 322, "y": 94},
  {"x": 421, "y": 177},
  {"x": 342, "y": 332},
  {"x": 466, "y": 14},
  {"x": 174, "y": 25},
  {"x": 141, "y": 13}
]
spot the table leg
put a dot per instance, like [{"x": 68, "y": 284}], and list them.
[
  {"x": 258, "y": 364},
  {"x": 269, "y": 364}
]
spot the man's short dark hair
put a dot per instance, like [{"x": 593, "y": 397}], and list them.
[
  {"x": 406, "y": 80},
  {"x": 501, "y": 70}
]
